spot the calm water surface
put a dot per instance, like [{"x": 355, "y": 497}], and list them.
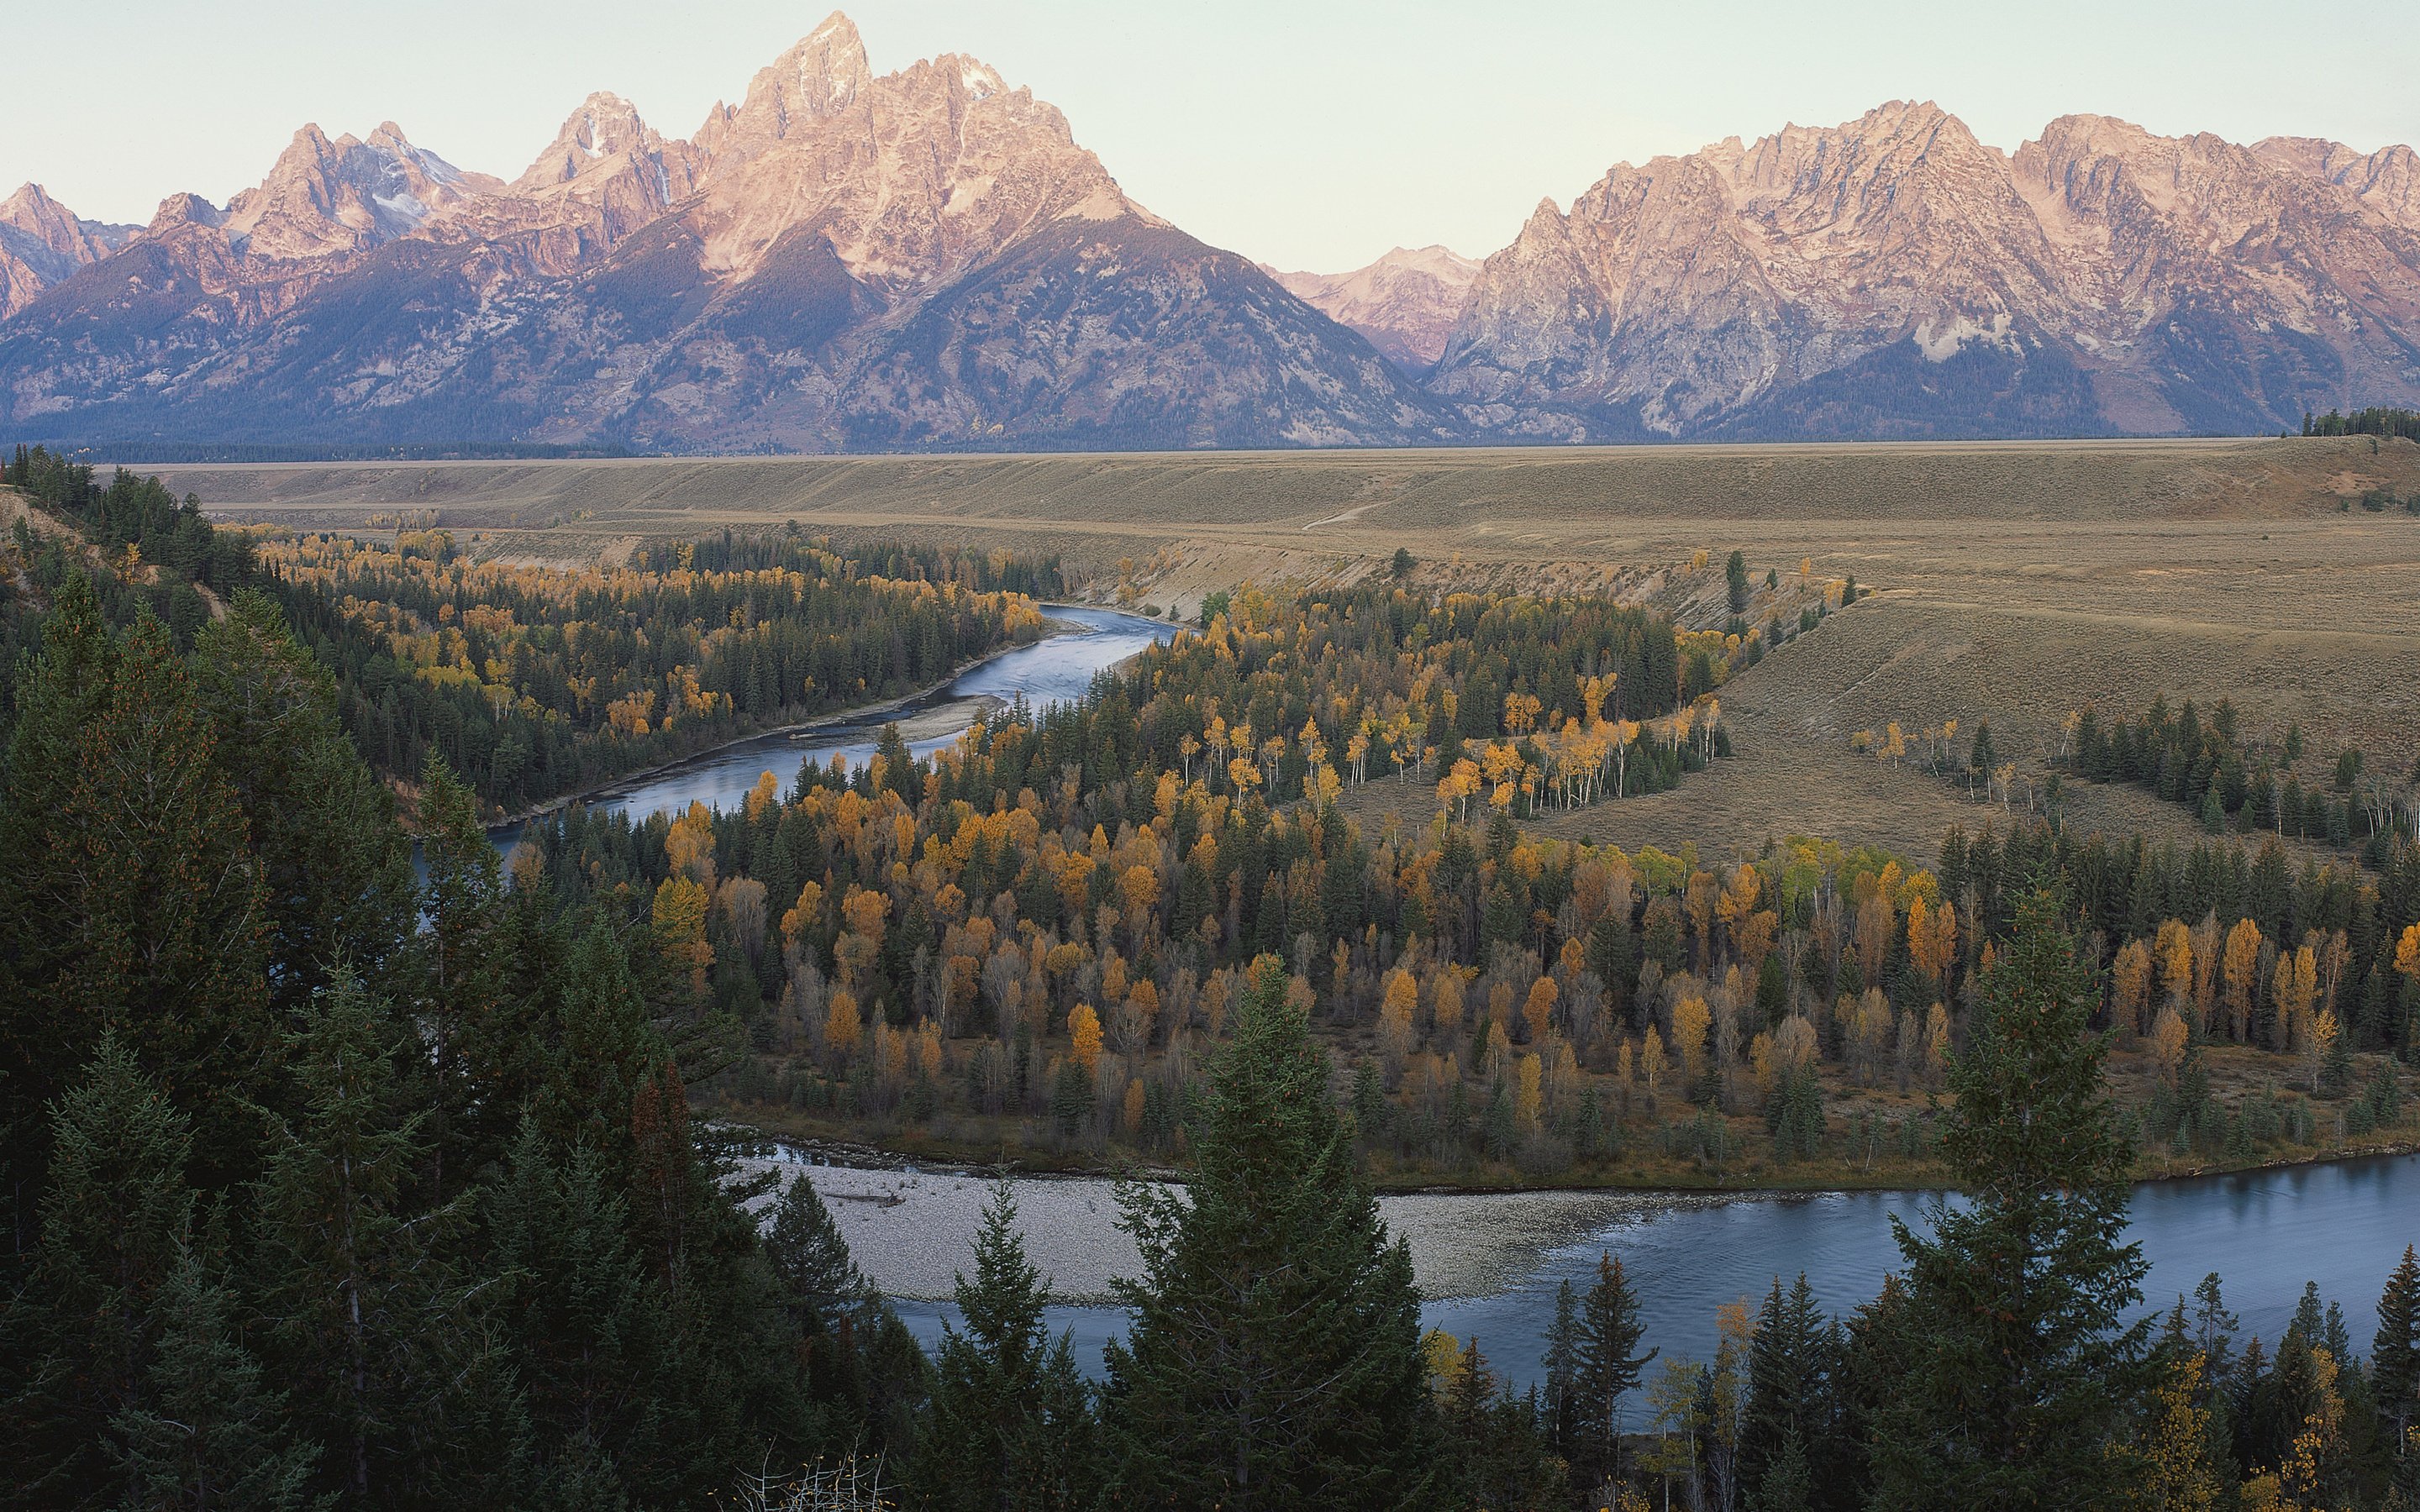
[{"x": 2265, "y": 1233}]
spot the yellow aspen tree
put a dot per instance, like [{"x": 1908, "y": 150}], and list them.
[
  {"x": 2168, "y": 1039},
  {"x": 1085, "y": 1034},
  {"x": 1138, "y": 1011},
  {"x": 1527, "y": 1091},
  {"x": 1870, "y": 1025},
  {"x": 842, "y": 1028},
  {"x": 1562, "y": 1079},
  {"x": 1876, "y": 922},
  {"x": 1395, "y": 1030},
  {"x": 2170, "y": 1460},
  {"x": 2317, "y": 1043},
  {"x": 2295, "y": 986},
  {"x": 1498, "y": 1046},
  {"x": 689, "y": 846},
  {"x": 2130, "y": 985},
  {"x": 1936, "y": 1046},
  {"x": 1690, "y": 1020},
  {"x": 1446, "y": 1004},
  {"x": 679, "y": 919},
  {"x": 2172, "y": 951},
  {"x": 1538, "y": 1010},
  {"x": 1698, "y": 902},
  {"x": 2239, "y": 968},
  {"x": 1651, "y": 1058},
  {"x": 1919, "y": 939},
  {"x": 2407, "y": 953},
  {"x": 1760, "y": 1064},
  {"x": 1131, "y": 1119},
  {"x": 2208, "y": 944}
]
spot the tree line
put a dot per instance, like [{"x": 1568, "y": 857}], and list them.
[
  {"x": 2377, "y": 420},
  {"x": 2209, "y": 765}
]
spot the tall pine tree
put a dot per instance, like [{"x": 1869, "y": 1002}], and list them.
[
  {"x": 79, "y": 1341},
  {"x": 367, "y": 1314},
  {"x": 2395, "y": 1351},
  {"x": 1012, "y": 1426},
  {"x": 2022, "y": 1367},
  {"x": 1608, "y": 1368},
  {"x": 1274, "y": 1358},
  {"x": 211, "y": 1433},
  {"x": 1791, "y": 1423}
]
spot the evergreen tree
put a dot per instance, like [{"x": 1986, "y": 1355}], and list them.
[
  {"x": 1786, "y": 1483},
  {"x": 1607, "y": 1368},
  {"x": 1735, "y": 579},
  {"x": 2395, "y": 1352},
  {"x": 811, "y": 1259},
  {"x": 1012, "y": 1426},
  {"x": 1875, "y": 1364},
  {"x": 366, "y": 1315},
  {"x": 604, "y": 1046},
  {"x": 1793, "y": 1363},
  {"x": 1562, "y": 1362},
  {"x": 2020, "y": 1367},
  {"x": 865, "y": 1371},
  {"x": 210, "y": 1434},
  {"x": 1274, "y": 1358},
  {"x": 79, "y": 1340}
]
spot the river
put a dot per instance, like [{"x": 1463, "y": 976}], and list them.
[
  {"x": 1058, "y": 670},
  {"x": 1491, "y": 1263}
]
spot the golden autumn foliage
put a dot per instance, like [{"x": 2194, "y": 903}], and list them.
[{"x": 1084, "y": 1036}]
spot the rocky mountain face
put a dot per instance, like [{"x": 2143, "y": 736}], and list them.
[
  {"x": 1406, "y": 302},
  {"x": 43, "y": 241},
  {"x": 926, "y": 258},
  {"x": 1895, "y": 277}
]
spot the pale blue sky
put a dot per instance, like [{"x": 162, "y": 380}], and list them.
[{"x": 1304, "y": 133}]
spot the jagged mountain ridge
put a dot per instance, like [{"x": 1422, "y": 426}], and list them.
[
  {"x": 926, "y": 258},
  {"x": 43, "y": 242},
  {"x": 1895, "y": 277}
]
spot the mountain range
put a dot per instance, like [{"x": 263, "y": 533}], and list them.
[{"x": 927, "y": 259}]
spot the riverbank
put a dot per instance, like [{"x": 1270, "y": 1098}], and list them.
[{"x": 842, "y": 1145}]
